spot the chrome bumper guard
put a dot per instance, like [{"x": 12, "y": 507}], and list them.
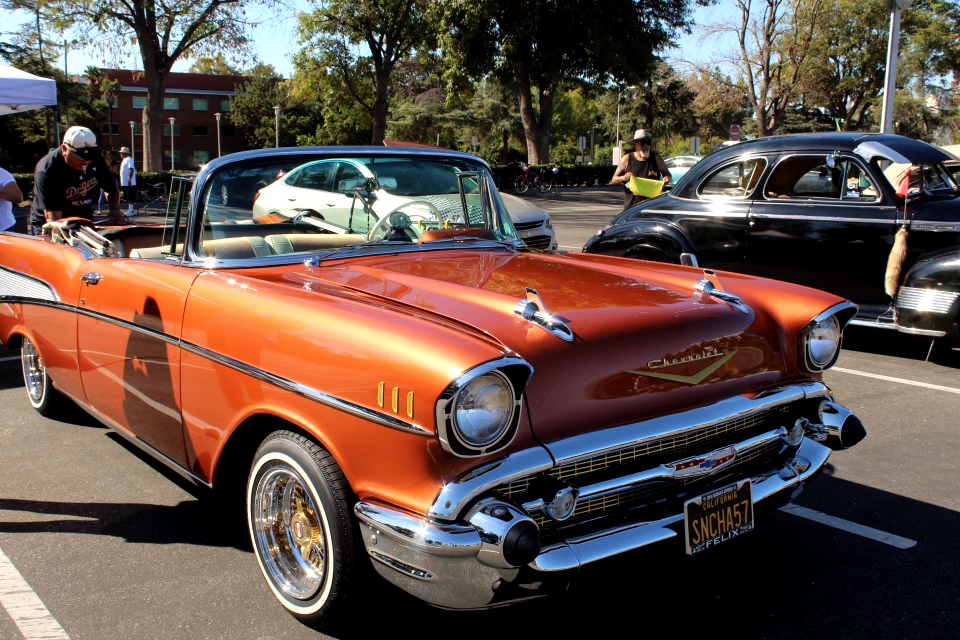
[{"x": 444, "y": 564}]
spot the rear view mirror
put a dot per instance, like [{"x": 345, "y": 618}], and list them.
[
  {"x": 365, "y": 184},
  {"x": 831, "y": 161}
]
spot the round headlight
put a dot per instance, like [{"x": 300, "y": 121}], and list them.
[
  {"x": 823, "y": 342},
  {"x": 483, "y": 410}
]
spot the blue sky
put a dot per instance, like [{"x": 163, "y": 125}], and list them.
[{"x": 275, "y": 42}]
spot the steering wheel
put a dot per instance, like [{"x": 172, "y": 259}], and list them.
[
  {"x": 390, "y": 227},
  {"x": 429, "y": 205}
]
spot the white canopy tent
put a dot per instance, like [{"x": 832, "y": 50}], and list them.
[{"x": 21, "y": 91}]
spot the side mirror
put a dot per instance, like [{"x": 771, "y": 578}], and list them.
[{"x": 831, "y": 161}]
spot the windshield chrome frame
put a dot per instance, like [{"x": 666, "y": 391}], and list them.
[{"x": 192, "y": 258}]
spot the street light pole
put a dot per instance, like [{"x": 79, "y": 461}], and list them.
[
  {"x": 218, "y": 114},
  {"x": 276, "y": 116},
  {"x": 893, "y": 46},
  {"x": 171, "y": 143}
]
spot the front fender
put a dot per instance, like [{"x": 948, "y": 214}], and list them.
[
  {"x": 928, "y": 303},
  {"x": 618, "y": 239}
]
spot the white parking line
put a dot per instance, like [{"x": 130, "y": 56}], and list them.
[
  {"x": 24, "y": 606},
  {"x": 900, "y": 380},
  {"x": 562, "y": 246},
  {"x": 850, "y": 527},
  {"x": 9, "y": 358}
]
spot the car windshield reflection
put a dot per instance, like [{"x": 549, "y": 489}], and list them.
[{"x": 295, "y": 204}]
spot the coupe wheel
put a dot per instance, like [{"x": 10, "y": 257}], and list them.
[
  {"x": 304, "y": 536},
  {"x": 40, "y": 392}
]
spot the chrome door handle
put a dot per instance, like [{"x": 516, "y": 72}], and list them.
[
  {"x": 331, "y": 204},
  {"x": 91, "y": 278},
  {"x": 291, "y": 198}
]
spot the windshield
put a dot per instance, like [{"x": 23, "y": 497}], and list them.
[
  {"x": 932, "y": 179},
  {"x": 297, "y": 204}
]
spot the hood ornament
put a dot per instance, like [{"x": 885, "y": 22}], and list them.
[
  {"x": 534, "y": 310},
  {"x": 711, "y": 286}
]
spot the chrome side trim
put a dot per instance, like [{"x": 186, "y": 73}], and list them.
[
  {"x": 707, "y": 214},
  {"x": 398, "y": 565},
  {"x": 346, "y": 406},
  {"x": 316, "y": 395},
  {"x": 932, "y": 333},
  {"x": 455, "y": 495},
  {"x": 588, "y": 445},
  {"x": 785, "y": 216},
  {"x": 861, "y": 322},
  {"x": 15, "y": 284},
  {"x": 414, "y": 532},
  {"x": 576, "y": 552}
]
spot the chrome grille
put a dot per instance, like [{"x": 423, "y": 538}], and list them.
[
  {"x": 526, "y": 226},
  {"x": 644, "y": 494},
  {"x": 930, "y": 300},
  {"x": 537, "y": 242},
  {"x": 678, "y": 446}
]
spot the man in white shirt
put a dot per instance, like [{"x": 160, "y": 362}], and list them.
[
  {"x": 10, "y": 195},
  {"x": 128, "y": 179}
]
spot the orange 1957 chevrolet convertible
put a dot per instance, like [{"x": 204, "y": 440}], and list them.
[{"x": 394, "y": 380}]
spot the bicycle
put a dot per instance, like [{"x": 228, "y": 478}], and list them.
[{"x": 542, "y": 180}]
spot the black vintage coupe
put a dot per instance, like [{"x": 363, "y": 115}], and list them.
[{"x": 821, "y": 210}]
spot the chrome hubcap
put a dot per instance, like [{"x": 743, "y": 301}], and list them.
[
  {"x": 289, "y": 532},
  {"x": 34, "y": 372}
]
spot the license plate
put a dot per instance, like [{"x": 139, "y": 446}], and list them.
[{"x": 718, "y": 516}]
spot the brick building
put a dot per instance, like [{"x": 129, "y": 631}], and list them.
[{"x": 192, "y": 99}]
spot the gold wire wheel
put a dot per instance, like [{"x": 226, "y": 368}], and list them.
[
  {"x": 34, "y": 372},
  {"x": 289, "y": 532}
]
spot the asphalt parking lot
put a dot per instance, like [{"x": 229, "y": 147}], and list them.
[{"x": 99, "y": 542}]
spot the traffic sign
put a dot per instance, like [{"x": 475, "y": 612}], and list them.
[{"x": 735, "y": 132}]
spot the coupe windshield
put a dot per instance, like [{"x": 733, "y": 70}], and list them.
[{"x": 295, "y": 204}]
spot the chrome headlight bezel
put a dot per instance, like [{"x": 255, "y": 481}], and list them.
[
  {"x": 516, "y": 373},
  {"x": 840, "y": 314}
]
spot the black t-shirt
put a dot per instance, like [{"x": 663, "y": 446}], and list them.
[{"x": 59, "y": 187}]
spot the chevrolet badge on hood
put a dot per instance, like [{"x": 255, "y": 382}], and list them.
[{"x": 696, "y": 378}]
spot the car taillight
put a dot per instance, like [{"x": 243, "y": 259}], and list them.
[
  {"x": 279, "y": 174},
  {"x": 256, "y": 195}
]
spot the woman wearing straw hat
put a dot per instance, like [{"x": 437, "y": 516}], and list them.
[{"x": 642, "y": 162}]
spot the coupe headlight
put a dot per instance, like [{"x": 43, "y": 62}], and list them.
[
  {"x": 823, "y": 341},
  {"x": 548, "y": 224},
  {"x": 483, "y": 410}
]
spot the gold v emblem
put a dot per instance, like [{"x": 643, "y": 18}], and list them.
[{"x": 697, "y": 378}]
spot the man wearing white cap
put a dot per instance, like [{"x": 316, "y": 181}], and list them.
[
  {"x": 128, "y": 179},
  {"x": 67, "y": 181}
]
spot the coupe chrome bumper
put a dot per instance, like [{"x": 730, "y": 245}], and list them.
[{"x": 452, "y": 565}]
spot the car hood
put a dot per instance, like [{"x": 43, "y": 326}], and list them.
[
  {"x": 632, "y": 323},
  {"x": 522, "y": 211}
]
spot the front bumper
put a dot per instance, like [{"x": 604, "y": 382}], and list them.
[{"x": 444, "y": 564}]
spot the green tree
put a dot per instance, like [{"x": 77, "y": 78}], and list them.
[
  {"x": 162, "y": 32},
  {"x": 251, "y": 109},
  {"x": 217, "y": 64},
  {"x": 542, "y": 46},
  {"x": 340, "y": 120},
  {"x": 390, "y": 31}
]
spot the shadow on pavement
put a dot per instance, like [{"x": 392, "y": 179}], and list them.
[
  {"x": 189, "y": 522},
  {"x": 791, "y": 578},
  {"x": 901, "y": 345}
]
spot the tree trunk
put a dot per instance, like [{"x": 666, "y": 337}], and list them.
[
  {"x": 537, "y": 134},
  {"x": 153, "y": 143},
  {"x": 379, "y": 112}
]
